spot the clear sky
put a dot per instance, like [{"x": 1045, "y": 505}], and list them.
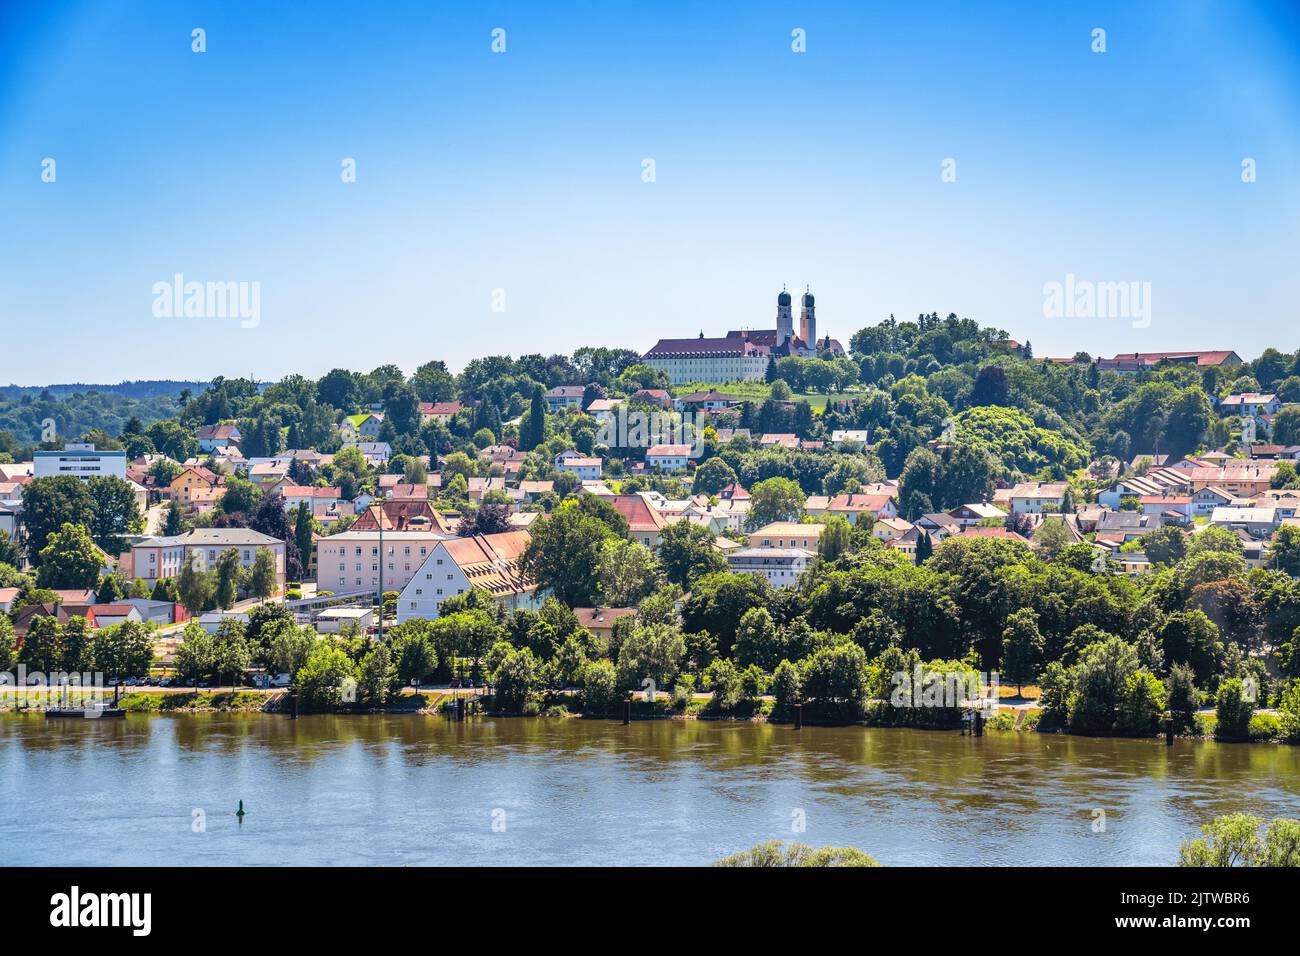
[{"x": 522, "y": 172}]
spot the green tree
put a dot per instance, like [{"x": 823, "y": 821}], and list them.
[
  {"x": 49, "y": 504},
  {"x": 114, "y": 512},
  {"x": 515, "y": 679},
  {"x": 1233, "y": 709},
  {"x": 836, "y": 539},
  {"x": 686, "y": 552},
  {"x": 628, "y": 572},
  {"x": 1022, "y": 647},
  {"x": 263, "y": 579},
  {"x": 70, "y": 559},
  {"x": 326, "y": 679},
  {"x": 228, "y": 573},
  {"x": 1235, "y": 840},
  {"x": 712, "y": 476},
  {"x": 775, "y": 499},
  {"x": 564, "y": 554},
  {"x": 194, "y": 587}
]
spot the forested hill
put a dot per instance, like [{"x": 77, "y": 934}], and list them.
[{"x": 151, "y": 388}]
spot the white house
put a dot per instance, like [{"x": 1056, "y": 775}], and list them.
[
  {"x": 781, "y": 566},
  {"x": 667, "y": 457},
  {"x": 841, "y": 435},
  {"x": 1256, "y": 522},
  {"x": 218, "y": 437},
  {"x": 1251, "y": 403},
  {"x": 484, "y": 562},
  {"x": 564, "y": 396},
  {"x": 588, "y": 469},
  {"x": 1030, "y": 497}
]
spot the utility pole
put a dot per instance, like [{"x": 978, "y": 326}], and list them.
[{"x": 381, "y": 574}]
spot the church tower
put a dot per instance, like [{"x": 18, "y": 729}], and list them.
[
  {"x": 808, "y": 321},
  {"x": 784, "y": 318}
]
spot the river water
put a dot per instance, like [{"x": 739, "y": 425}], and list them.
[{"x": 418, "y": 790}]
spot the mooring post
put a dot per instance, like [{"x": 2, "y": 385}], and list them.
[
  {"x": 116, "y": 688},
  {"x": 627, "y": 711},
  {"x": 294, "y": 695},
  {"x": 979, "y": 724},
  {"x": 460, "y": 707},
  {"x": 798, "y": 716},
  {"x": 1169, "y": 730}
]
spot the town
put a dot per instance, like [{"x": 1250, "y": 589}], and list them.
[{"x": 933, "y": 499}]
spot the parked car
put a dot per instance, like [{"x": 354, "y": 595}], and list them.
[{"x": 280, "y": 680}]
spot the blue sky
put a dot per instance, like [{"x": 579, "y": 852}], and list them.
[{"x": 522, "y": 172}]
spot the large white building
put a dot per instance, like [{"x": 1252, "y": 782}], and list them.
[
  {"x": 743, "y": 355},
  {"x": 485, "y": 562},
  {"x": 150, "y": 559},
  {"x": 79, "y": 460}
]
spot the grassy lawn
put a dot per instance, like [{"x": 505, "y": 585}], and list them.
[{"x": 192, "y": 700}]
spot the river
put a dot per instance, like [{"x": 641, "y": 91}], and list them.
[{"x": 416, "y": 790}]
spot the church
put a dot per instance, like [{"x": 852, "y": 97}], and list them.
[{"x": 744, "y": 354}]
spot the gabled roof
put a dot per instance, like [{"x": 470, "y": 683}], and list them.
[{"x": 638, "y": 512}]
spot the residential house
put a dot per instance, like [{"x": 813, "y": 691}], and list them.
[
  {"x": 1033, "y": 497},
  {"x": 972, "y": 514},
  {"x": 184, "y": 485},
  {"x": 600, "y": 620},
  {"x": 710, "y": 401},
  {"x": 438, "y": 411},
  {"x": 403, "y": 515},
  {"x": 455, "y": 565},
  {"x": 1256, "y": 522},
  {"x": 667, "y": 457},
  {"x": 782, "y": 567},
  {"x": 1254, "y": 404},
  {"x": 851, "y": 506},
  {"x": 564, "y": 396},
  {"x": 106, "y": 615},
  {"x": 645, "y": 522},
  {"x": 841, "y": 435},
  {"x": 588, "y": 469},
  {"x": 215, "y": 438},
  {"x": 788, "y": 534},
  {"x": 151, "y": 559},
  {"x": 362, "y": 427}
]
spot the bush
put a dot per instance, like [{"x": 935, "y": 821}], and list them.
[
  {"x": 1003, "y": 721},
  {"x": 1265, "y": 727},
  {"x": 599, "y": 687},
  {"x": 1232, "y": 711}
]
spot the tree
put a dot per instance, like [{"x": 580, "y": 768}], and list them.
[
  {"x": 1052, "y": 537},
  {"x": 712, "y": 476},
  {"x": 378, "y": 681},
  {"x": 836, "y": 539},
  {"x": 42, "y": 648},
  {"x": 303, "y": 526},
  {"x": 175, "y": 521},
  {"x": 1022, "y": 647},
  {"x": 756, "y": 639},
  {"x": 686, "y": 552},
  {"x": 194, "y": 587},
  {"x": 290, "y": 647},
  {"x": 924, "y": 548},
  {"x": 532, "y": 431},
  {"x": 49, "y": 504},
  {"x": 124, "y": 649},
  {"x": 263, "y": 579},
  {"x": 325, "y": 679},
  {"x": 1166, "y": 545},
  {"x": 228, "y": 575},
  {"x": 1234, "y": 840},
  {"x": 232, "y": 653},
  {"x": 651, "y": 652},
  {"x": 563, "y": 555},
  {"x": 109, "y": 590},
  {"x": 1184, "y": 699},
  {"x": 1189, "y": 637},
  {"x": 196, "y": 656},
  {"x": 70, "y": 559},
  {"x": 114, "y": 512},
  {"x": 599, "y": 687},
  {"x": 515, "y": 679},
  {"x": 1233, "y": 708},
  {"x": 775, "y": 499},
  {"x": 787, "y": 686},
  {"x": 487, "y": 518},
  {"x": 628, "y": 572},
  {"x": 1285, "y": 551},
  {"x": 835, "y": 680}
]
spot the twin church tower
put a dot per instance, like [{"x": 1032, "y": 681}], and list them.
[{"x": 785, "y": 319}]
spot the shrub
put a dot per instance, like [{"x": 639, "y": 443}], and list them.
[
  {"x": 1265, "y": 727},
  {"x": 1232, "y": 711}
]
